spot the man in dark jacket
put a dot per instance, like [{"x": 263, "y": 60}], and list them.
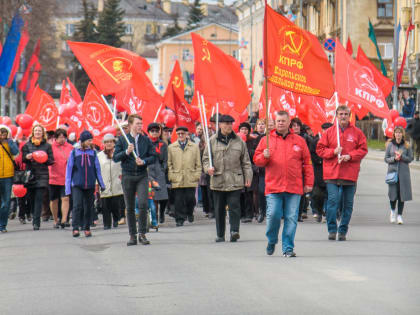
[
  {"x": 134, "y": 158},
  {"x": 413, "y": 129}
]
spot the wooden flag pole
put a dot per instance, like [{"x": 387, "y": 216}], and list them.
[{"x": 118, "y": 123}]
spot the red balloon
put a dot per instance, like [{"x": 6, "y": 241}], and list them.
[
  {"x": 194, "y": 113},
  {"x": 389, "y": 132},
  {"x": 5, "y": 120},
  {"x": 169, "y": 120},
  {"x": 393, "y": 113},
  {"x": 40, "y": 156},
  {"x": 400, "y": 122},
  {"x": 13, "y": 130},
  {"x": 162, "y": 114},
  {"x": 109, "y": 129},
  {"x": 26, "y": 132},
  {"x": 19, "y": 190},
  {"x": 244, "y": 116},
  {"x": 25, "y": 121},
  {"x": 66, "y": 110}
]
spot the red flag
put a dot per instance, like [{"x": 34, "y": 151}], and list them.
[
  {"x": 294, "y": 59},
  {"x": 401, "y": 71},
  {"x": 382, "y": 81},
  {"x": 279, "y": 99},
  {"x": 23, "y": 85},
  {"x": 174, "y": 99},
  {"x": 311, "y": 111},
  {"x": 43, "y": 109},
  {"x": 356, "y": 83},
  {"x": 95, "y": 112},
  {"x": 74, "y": 93},
  {"x": 65, "y": 94},
  {"x": 219, "y": 77},
  {"x": 349, "y": 47},
  {"x": 111, "y": 69},
  {"x": 33, "y": 81},
  {"x": 24, "y": 39}
]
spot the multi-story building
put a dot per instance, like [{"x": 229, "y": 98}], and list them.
[{"x": 327, "y": 19}]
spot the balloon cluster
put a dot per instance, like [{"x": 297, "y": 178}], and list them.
[
  {"x": 24, "y": 121},
  {"x": 396, "y": 121}
]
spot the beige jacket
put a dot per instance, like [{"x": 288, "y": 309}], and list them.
[
  {"x": 184, "y": 166},
  {"x": 232, "y": 166},
  {"x": 111, "y": 174}
]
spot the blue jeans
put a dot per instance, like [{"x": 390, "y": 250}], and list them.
[
  {"x": 282, "y": 205},
  {"x": 333, "y": 202},
  {"x": 152, "y": 208},
  {"x": 5, "y": 193}
]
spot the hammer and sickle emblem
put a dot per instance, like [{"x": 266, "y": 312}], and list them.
[
  {"x": 291, "y": 45},
  {"x": 206, "y": 56},
  {"x": 47, "y": 115},
  {"x": 176, "y": 82},
  {"x": 94, "y": 115}
]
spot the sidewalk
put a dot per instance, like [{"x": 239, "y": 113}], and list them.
[{"x": 378, "y": 155}]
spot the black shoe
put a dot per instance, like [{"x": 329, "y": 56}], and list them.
[
  {"x": 36, "y": 227},
  {"x": 219, "y": 239},
  {"x": 341, "y": 237},
  {"x": 270, "y": 249},
  {"x": 88, "y": 233},
  {"x": 56, "y": 225},
  {"x": 62, "y": 225},
  {"x": 180, "y": 223},
  {"x": 67, "y": 224},
  {"x": 162, "y": 219},
  {"x": 234, "y": 236},
  {"x": 29, "y": 218},
  {"x": 246, "y": 220},
  {"x": 76, "y": 233},
  {"x": 319, "y": 218},
  {"x": 300, "y": 219},
  {"x": 132, "y": 241},
  {"x": 332, "y": 236},
  {"x": 143, "y": 240},
  {"x": 45, "y": 219},
  {"x": 191, "y": 218},
  {"x": 12, "y": 216},
  {"x": 115, "y": 224},
  {"x": 289, "y": 254},
  {"x": 22, "y": 220},
  {"x": 107, "y": 227},
  {"x": 304, "y": 216},
  {"x": 260, "y": 218}
]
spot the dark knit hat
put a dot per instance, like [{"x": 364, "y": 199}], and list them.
[
  {"x": 153, "y": 126},
  {"x": 245, "y": 125},
  {"x": 85, "y": 135}
]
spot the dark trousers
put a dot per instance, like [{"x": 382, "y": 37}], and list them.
[
  {"x": 111, "y": 205},
  {"x": 319, "y": 196},
  {"x": 232, "y": 200},
  {"x": 262, "y": 202},
  {"x": 133, "y": 185},
  {"x": 207, "y": 198},
  {"x": 24, "y": 207},
  {"x": 83, "y": 203},
  {"x": 184, "y": 203},
  {"x": 36, "y": 197},
  {"x": 247, "y": 204},
  {"x": 160, "y": 206},
  {"x": 400, "y": 202}
]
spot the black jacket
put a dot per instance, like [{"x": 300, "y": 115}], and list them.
[
  {"x": 145, "y": 149},
  {"x": 413, "y": 128},
  {"x": 40, "y": 171}
]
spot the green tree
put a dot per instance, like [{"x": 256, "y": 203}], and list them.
[
  {"x": 196, "y": 14},
  {"x": 173, "y": 30},
  {"x": 111, "y": 27},
  {"x": 85, "y": 32}
]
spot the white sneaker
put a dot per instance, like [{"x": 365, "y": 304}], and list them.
[
  {"x": 399, "y": 219},
  {"x": 392, "y": 216}
]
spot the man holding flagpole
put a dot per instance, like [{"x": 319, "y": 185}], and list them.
[{"x": 342, "y": 148}]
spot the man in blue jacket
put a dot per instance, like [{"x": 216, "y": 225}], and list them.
[{"x": 134, "y": 158}]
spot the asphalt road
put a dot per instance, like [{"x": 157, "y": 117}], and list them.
[{"x": 377, "y": 271}]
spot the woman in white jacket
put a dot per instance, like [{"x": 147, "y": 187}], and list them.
[{"x": 111, "y": 174}]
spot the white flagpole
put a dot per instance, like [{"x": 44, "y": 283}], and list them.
[
  {"x": 58, "y": 122},
  {"x": 115, "y": 110},
  {"x": 157, "y": 113},
  {"x": 117, "y": 122},
  {"x": 205, "y": 125},
  {"x": 336, "y": 121},
  {"x": 201, "y": 115},
  {"x": 217, "y": 116}
]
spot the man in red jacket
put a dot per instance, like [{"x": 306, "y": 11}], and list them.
[
  {"x": 288, "y": 175},
  {"x": 341, "y": 166}
]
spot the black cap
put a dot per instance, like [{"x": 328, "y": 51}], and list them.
[
  {"x": 182, "y": 128},
  {"x": 153, "y": 125},
  {"x": 245, "y": 125},
  {"x": 226, "y": 119},
  {"x": 326, "y": 125}
]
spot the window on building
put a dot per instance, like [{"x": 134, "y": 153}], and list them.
[
  {"x": 128, "y": 29},
  {"x": 387, "y": 50},
  {"x": 185, "y": 54},
  {"x": 69, "y": 29},
  {"x": 235, "y": 54},
  {"x": 149, "y": 29},
  {"x": 385, "y": 8},
  {"x": 158, "y": 29},
  {"x": 65, "y": 47}
]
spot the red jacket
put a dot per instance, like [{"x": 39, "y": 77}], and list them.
[
  {"x": 61, "y": 154},
  {"x": 353, "y": 142},
  {"x": 289, "y": 167}
]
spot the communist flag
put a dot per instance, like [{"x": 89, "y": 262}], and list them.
[
  {"x": 174, "y": 99},
  {"x": 110, "y": 69},
  {"x": 279, "y": 99},
  {"x": 43, "y": 109},
  {"x": 33, "y": 81},
  {"x": 294, "y": 59},
  {"x": 219, "y": 77},
  {"x": 382, "y": 81},
  {"x": 74, "y": 92},
  {"x": 356, "y": 83}
]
